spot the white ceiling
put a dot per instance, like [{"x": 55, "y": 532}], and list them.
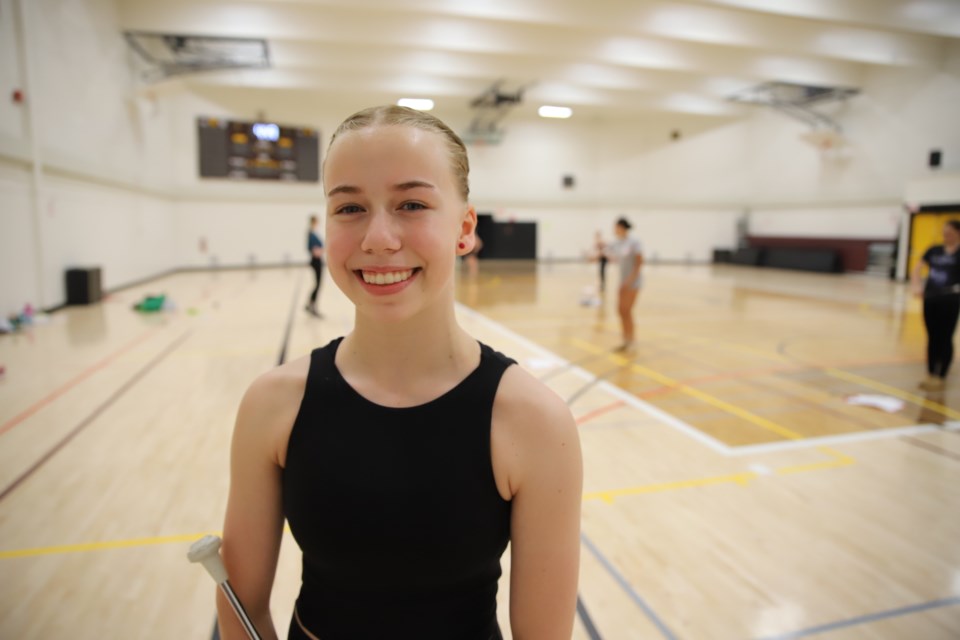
[{"x": 603, "y": 58}]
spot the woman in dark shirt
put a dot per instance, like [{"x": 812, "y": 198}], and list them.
[{"x": 941, "y": 303}]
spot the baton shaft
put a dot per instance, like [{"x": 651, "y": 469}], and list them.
[{"x": 245, "y": 620}]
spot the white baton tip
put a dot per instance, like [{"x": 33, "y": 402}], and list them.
[{"x": 206, "y": 551}]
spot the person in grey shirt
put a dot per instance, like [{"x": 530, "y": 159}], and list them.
[{"x": 627, "y": 253}]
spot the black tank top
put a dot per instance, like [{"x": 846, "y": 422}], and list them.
[{"x": 396, "y": 509}]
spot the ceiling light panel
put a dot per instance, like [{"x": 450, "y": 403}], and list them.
[{"x": 549, "y": 111}]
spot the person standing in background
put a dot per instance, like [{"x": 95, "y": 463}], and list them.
[
  {"x": 628, "y": 253},
  {"x": 315, "y": 247},
  {"x": 600, "y": 246},
  {"x": 941, "y": 303}
]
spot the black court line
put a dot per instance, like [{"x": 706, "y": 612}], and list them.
[
  {"x": 282, "y": 357},
  {"x": 598, "y": 378},
  {"x": 872, "y": 617},
  {"x": 96, "y": 413},
  {"x": 587, "y": 622},
  {"x": 570, "y": 364}
]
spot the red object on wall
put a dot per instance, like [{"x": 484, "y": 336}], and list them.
[{"x": 17, "y": 96}]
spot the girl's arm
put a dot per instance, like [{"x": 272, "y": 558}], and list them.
[
  {"x": 254, "y": 521},
  {"x": 536, "y": 431}
]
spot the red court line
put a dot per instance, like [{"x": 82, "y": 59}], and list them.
[
  {"x": 96, "y": 412},
  {"x": 590, "y": 415},
  {"x": 13, "y": 422}
]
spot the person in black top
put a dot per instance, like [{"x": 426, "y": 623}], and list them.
[
  {"x": 315, "y": 247},
  {"x": 406, "y": 454},
  {"x": 941, "y": 303}
]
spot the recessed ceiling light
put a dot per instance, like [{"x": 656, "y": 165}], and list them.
[
  {"x": 420, "y": 104},
  {"x": 547, "y": 111}
]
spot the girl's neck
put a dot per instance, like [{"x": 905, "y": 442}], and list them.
[
  {"x": 408, "y": 363},
  {"x": 432, "y": 341}
]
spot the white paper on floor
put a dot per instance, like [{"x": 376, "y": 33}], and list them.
[
  {"x": 885, "y": 403},
  {"x": 538, "y": 364}
]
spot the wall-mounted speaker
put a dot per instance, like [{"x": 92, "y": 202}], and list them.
[{"x": 935, "y": 158}]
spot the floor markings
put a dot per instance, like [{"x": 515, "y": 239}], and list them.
[
  {"x": 95, "y": 414},
  {"x": 743, "y": 414},
  {"x": 83, "y": 375},
  {"x": 102, "y": 546},
  {"x": 873, "y": 617},
  {"x": 628, "y": 588},
  {"x": 893, "y": 391}
]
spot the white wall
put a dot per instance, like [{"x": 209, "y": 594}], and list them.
[
  {"x": 104, "y": 153},
  {"x": 864, "y": 222},
  {"x": 18, "y": 269},
  {"x": 242, "y": 233},
  {"x": 11, "y": 115},
  {"x": 940, "y": 187}
]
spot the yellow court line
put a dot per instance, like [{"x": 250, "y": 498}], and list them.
[
  {"x": 836, "y": 461},
  {"x": 752, "y": 418},
  {"x": 101, "y": 546},
  {"x": 893, "y": 391},
  {"x": 110, "y": 544},
  {"x": 742, "y": 479}
]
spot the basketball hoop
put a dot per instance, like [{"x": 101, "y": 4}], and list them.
[{"x": 481, "y": 138}]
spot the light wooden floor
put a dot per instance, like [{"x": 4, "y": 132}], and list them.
[{"x": 730, "y": 489}]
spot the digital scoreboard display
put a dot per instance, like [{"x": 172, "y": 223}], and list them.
[{"x": 258, "y": 151}]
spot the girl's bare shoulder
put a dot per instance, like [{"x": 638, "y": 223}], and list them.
[
  {"x": 534, "y": 438},
  {"x": 275, "y": 388},
  {"x": 530, "y": 411},
  {"x": 270, "y": 406}
]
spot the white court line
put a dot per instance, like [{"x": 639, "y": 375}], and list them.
[
  {"x": 610, "y": 388},
  {"x": 660, "y": 414},
  {"x": 806, "y": 443}
]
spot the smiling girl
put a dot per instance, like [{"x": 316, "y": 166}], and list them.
[{"x": 405, "y": 455}]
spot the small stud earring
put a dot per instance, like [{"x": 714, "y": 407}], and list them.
[{"x": 462, "y": 245}]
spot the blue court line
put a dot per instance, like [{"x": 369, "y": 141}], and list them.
[
  {"x": 587, "y": 621},
  {"x": 871, "y": 617},
  {"x": 650, "y": 613}
]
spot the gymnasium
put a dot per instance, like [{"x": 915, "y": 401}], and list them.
[{"x": 761, "y": 464}]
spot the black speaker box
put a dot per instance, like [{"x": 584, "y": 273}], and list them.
[{"x": 83, "y": 286}]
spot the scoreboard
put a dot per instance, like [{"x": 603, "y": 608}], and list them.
[{"x": 257, "y": 151}]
